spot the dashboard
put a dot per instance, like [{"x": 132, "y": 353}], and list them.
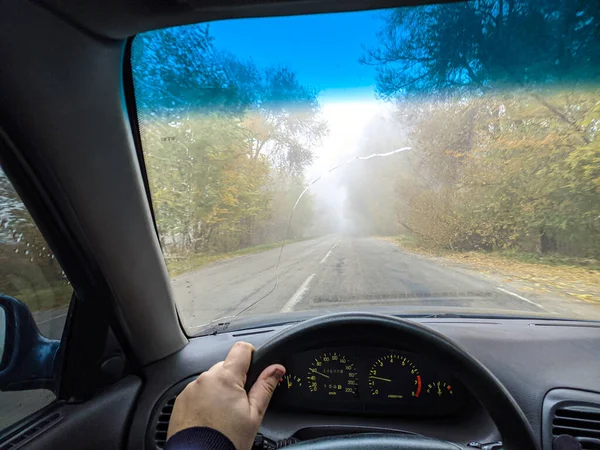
[
  {"x": 534, "y": 359},
  {"x": 368, "y": 380}
]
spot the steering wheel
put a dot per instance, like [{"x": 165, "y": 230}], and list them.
[{"x": 375, "y": 329}]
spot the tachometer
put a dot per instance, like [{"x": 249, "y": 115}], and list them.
[
  {"x": 333, "y": 374},
  {"x": 395, "y": 377}
]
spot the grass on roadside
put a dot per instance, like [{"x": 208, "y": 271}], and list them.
[
  {"x": 410, "y": 243},
  {"x": 178, "y": 266},
  {"x": 550, "y": 260},
  {"x": 575, "y": 277},
  {"x": 44, "y": 297}
]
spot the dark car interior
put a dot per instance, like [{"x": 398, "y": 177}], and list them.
[{"x": 69, "y": 144}]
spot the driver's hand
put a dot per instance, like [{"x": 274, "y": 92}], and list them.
[{"x": 217, "y": 398}]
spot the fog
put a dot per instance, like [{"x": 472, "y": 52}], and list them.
[{"x": 351, "y": 190}]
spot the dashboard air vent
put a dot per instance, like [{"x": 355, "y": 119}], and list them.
[
  {"x": 162, "y": 423},
  {"x": 581, "y": 422},
  {"x": 156, "y": 431}
]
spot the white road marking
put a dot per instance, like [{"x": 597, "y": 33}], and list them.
[
  {"x": 326, "y": 256},
  {"x": 51, "y": 319},
  {"x": 298, "y": 295},
  {"x": 329, "y": 252},
  {"x": 520, "y": 297}
]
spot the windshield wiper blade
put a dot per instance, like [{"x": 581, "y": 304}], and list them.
[
  {"x": 214, "y": 327},
  {"x": 445, "y": 316},
  {"x": 233, "y": 323}
]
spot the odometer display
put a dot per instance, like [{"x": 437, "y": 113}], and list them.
[
  {"x": 394, "y": 377},
  {"x": 332, "y": 374}
]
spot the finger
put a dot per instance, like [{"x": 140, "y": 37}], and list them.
[
  {"x": 260, "y": 394},
  {"x": 239, "y": 358},
  {"x": 215, "y": 367}
]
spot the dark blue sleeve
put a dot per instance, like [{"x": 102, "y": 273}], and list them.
[{"x": 199, "y": 438}]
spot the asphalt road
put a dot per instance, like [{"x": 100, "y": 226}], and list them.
[
  {"x": 336, "y": 272},
  {"x": 331, "y": 272}
]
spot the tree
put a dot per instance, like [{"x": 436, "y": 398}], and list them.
[
  {"x": 178, "y": 71},
  {"x": 538, "y": 173},
  {"x": 503, "y": 117},
  {"x": 486, "y": 44},
  {"x": 500, "y": 172},
  {"x": 217, "y": 133},
  {"x": 285, "y": 121}
]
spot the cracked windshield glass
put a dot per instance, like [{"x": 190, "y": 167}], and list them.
[{"x": 425, "y": 160}]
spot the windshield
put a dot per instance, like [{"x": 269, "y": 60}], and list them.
[{"x": 424, "y": 160}]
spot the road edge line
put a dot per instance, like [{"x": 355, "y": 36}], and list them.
[
  {"x": 60, "y": 316},
  {"x": 520, "y": 297}
]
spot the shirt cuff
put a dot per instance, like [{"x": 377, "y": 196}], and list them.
[{"x": 199, "y": 438}]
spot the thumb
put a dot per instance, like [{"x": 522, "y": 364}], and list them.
[{"x": 261, "y": 392}]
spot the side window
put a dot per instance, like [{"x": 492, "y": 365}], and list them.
[{"x": 30, "y": 273}]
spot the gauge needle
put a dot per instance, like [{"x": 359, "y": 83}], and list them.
[
  {"x": 318, "y": 373},
  {"x": 289, "y": 383},
  {"x": 379, "y": 378}
]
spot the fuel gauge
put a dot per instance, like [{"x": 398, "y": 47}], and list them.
[{"x": 440, "y": 389}]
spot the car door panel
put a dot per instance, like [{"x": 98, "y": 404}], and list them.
[{"x": 100, "y": 423}]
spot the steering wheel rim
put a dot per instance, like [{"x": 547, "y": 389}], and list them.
[
  {"x": 375, "y": 329},
  {"x": 377, "y": 441}
]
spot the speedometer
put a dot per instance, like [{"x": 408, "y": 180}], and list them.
[
  {"x": 333, "y": 374},
  {"x": 394, "y": 377}
]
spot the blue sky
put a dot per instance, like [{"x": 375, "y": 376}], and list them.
[{"x": 322, "y": 49}]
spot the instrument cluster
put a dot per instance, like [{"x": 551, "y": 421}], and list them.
[{"x": 369, "y": 380}]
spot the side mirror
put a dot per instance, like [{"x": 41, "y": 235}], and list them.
[{"x": 26, "y": 357}]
